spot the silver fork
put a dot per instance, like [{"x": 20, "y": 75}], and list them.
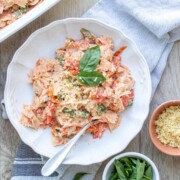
[{"x": 53, "y": 163}]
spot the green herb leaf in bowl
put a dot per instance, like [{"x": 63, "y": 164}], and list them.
[
  {"x": 128, "y": 168},
  {"x": 140, "y": 169},
  {"x": 120, "y": 170},
  {"x": 148, "y": 173}
]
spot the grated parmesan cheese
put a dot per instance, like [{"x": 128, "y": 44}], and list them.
[{"x": 168, "y": 126}]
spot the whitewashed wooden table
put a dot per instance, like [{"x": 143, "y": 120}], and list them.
[{"x": 169, "y": 88}]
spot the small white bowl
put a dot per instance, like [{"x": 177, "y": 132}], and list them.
[{"x": 110, "y": 166}]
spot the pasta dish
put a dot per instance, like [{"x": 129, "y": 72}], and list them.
[
  {"x": 85, "y": 81},
  {"x": 11, "y": 10}
]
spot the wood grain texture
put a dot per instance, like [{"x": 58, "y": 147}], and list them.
[{"x": 167, "y": 89}]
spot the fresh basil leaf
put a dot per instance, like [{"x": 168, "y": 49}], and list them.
[
  {"x": 114, "y": 176},
  {"x": 127, "y": 166},
  {"x": 140, "y": 169},
  {"x": 148, "y": 172},
  {"x": 79, "y": 175},
  {"x": 146, "y": 178},
  {"x": 90, "y": 59},
  {"x": 127, "y": 162},
  {"x": 134, "y": 173},
  {"x": 87, "y": 34},
  {"x": 134, "y": 161},
  {"x": 90, "y": 78},
  {"x": 120, "y": 170}
]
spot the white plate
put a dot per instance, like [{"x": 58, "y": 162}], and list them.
[
  {"x": 26, "y": 18},
  {"x": 18, "y": 91}
]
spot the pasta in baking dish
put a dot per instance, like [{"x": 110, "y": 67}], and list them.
[
  {"x": 85, "y": 81},
  {"x": 11, "y": 10}
]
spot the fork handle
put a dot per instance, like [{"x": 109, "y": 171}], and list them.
[{"x": 53, "y": 163}]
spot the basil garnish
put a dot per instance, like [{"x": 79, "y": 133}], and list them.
[
  {"x": 88, "y": 64},
  {"x": 90, "y": 78},
  {"x": 90, "y": 59}
]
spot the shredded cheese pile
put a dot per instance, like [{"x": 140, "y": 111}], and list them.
[{"x": 168, "y": 126}]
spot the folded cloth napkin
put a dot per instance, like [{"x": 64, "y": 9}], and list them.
[{"x": 154, "y": 26}]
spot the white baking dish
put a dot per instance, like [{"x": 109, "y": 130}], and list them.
[{"x": 26, "y": 19}]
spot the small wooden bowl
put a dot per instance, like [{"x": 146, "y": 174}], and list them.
[{"x": 152, "y": 129}]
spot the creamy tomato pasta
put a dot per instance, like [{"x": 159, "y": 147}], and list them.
[{"x": 85, "y": 81}]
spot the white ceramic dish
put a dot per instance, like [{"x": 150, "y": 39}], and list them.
[
  {"x": 110, "y": 166},
  {"x": 18, "y": 91},
  {"x": 26, "y": 19}
]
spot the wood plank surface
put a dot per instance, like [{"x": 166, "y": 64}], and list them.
[{"x": 167, "y": 89}]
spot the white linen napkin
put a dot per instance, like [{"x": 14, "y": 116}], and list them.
[{"x": 153, "y": 25}]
